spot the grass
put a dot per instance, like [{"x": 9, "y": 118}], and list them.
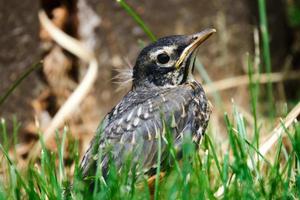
[{"x": 198, "y": 175}]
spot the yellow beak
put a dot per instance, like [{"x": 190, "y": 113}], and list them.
[{"x": 199, "y": 38}]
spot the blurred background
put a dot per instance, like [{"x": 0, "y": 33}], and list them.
[{"x": 106, "y": 29}]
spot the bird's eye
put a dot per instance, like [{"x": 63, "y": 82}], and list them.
[{"x": 163, "y": 58}]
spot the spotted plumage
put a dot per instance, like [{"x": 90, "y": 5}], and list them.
[{"x": 164, "y": 94}]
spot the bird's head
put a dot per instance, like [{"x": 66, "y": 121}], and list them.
[{"x": 169, "y": 61}]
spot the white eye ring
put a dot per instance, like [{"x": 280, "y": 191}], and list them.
[
  {"x": 163, "y": 58},
  {"x": 168, "y": 50}
]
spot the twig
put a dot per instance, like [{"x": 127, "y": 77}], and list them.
[
  {"x": 267, "y": 145},
  {"x": 244, "y": 80},
  {"x": 279, "y": 129},
  {"x": 67, "y": 42},
  {"x": 76, "y": 47}
]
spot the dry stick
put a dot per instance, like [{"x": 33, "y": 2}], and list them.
[
  {"x": 279, "y": 129},
  {"x": 77, "y": 48},
  {"x": 244, "y": 80},
  {"x": 67, "y": 42},
  {"x": 266, "y": 146}
]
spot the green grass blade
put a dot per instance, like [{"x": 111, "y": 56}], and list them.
[
  {"x": 2, "y": 192},
  {"x": 137, "y": 19},
  {"x": 19, "y": 81},
  {"x": 212, "y": 148},
  {"x": 187, "y": 151},
  {"x": 11, "y": 164},
  {"x": 171, "y": 147},
  {"x": 4, "y": 134},
  {"x": 157, "y": 178},
  {"x": 16, "y": 128},
  {"x": 254, "y": 92},
  {"x": 225, "y": 172},
  {"x": 266, "y": 51}
]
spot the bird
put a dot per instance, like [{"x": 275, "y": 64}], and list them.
[{"x": 164, "y": 92}]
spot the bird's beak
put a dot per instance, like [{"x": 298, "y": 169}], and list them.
[{"x": 197, "y": 39}]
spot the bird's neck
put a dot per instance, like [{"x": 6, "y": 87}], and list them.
[{"x": 151, "y": 86}]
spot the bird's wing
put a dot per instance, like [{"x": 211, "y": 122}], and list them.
[{"x": 88, "y": 163}]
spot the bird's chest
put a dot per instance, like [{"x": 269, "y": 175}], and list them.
[{"x": 181, "y": 108}]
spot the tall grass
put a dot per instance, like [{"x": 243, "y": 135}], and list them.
[{"x": 198, "y": 175}]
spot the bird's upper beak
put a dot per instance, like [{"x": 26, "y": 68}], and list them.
[{"x": 196, "y": 40}]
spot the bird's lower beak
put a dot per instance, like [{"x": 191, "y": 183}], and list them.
[{"x": 197, "y": 39}]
